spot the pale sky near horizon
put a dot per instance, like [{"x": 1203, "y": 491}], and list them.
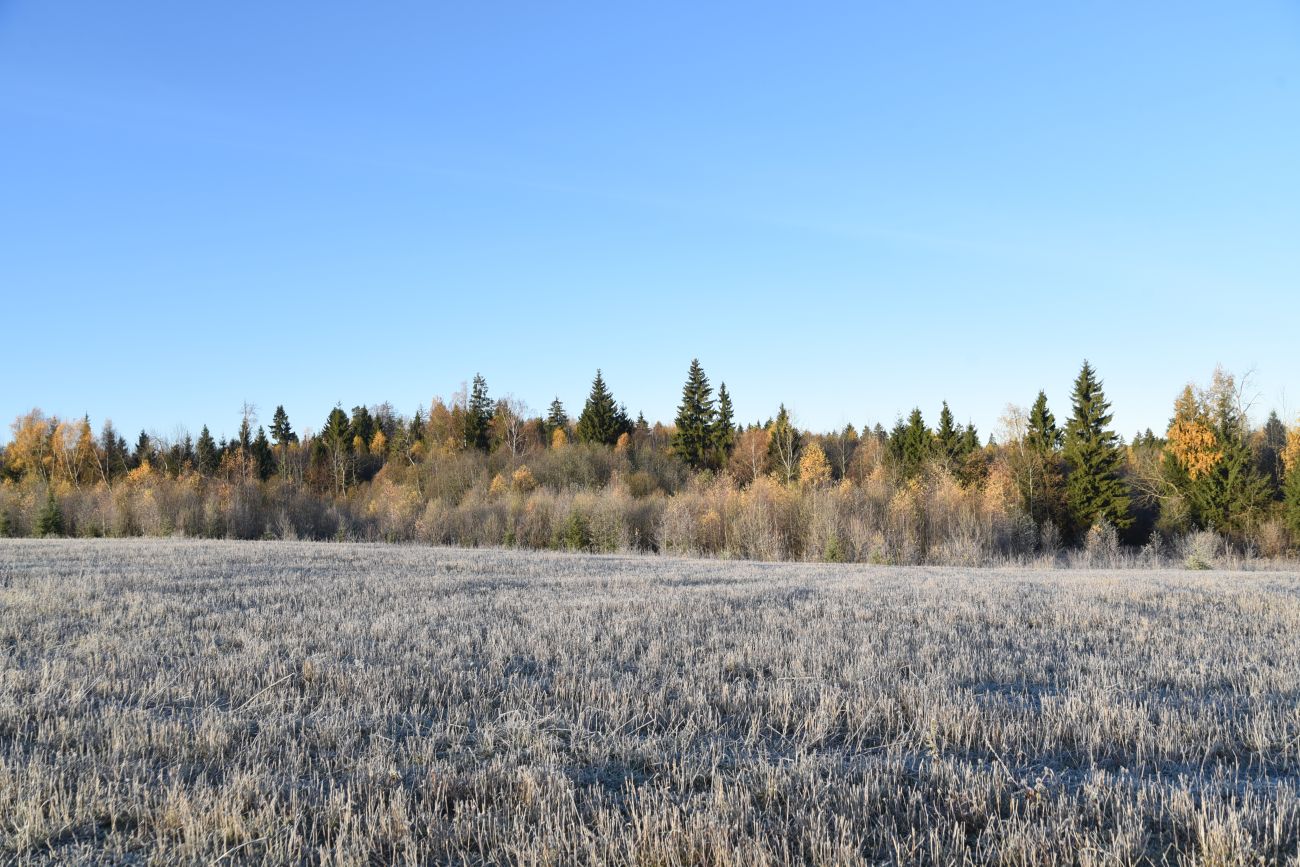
[{"x": 851, "y": 208}]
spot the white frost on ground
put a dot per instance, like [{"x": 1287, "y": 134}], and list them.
[{"x": 178, "y": 702}]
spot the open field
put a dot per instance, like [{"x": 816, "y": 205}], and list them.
[{"x": 168, "y": 702}]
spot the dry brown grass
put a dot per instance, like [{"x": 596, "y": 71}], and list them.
[{"x": 167, "y": 702}]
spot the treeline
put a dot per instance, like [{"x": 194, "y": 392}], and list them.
[{"x": 477, "y": 471}]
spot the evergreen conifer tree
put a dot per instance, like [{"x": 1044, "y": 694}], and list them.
[
  {"x": 1272, "y": 440},
  {"x": 1094, "y": 488},
  {"x": 187, "y": 451},
  {"x": 362, "y": 426},
  {"x": 693, "y": 440},
  {"x": 724, "y": 429},
  {"x": 478, "y": 416},
  {"x": 415, "y": 430},
  {"x": 113, "y": 449},
  {"x": 205, "y": 453},
  {"x": 894, "y": 443},
  {"x": 1291, "y": 495},
  {"x": 1233, "y": 493},
  {"x": 599, "y": 422},
  {"x": 263, "y": 456},
  {"x": 784, "y": 444},
  {"x": 911, "y": 444},
  {"x": 49, "y": 522},
  {"x": 281, "y": 430},
  {"x": 948, "y": 441},
  {"x": 1040, "y": 474},
  {"x": 245, "y": 448},
  {"x": 1043, "y": 435},
  {"x": 143, "y": 450},
  {"x": 556, "y": 417},
  {"x": 334, "y": 444}
]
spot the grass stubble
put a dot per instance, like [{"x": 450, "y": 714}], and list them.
[{"x": 167, "y": 702}]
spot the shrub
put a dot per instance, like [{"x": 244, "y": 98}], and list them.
[
  {"x": 50, "y": 520},
  {"x": 1101, "y": 547},
  {"x": 522, "y": 479},
  {"x": 574, "y": 533},
  {"x": 1201, "y": 549}
]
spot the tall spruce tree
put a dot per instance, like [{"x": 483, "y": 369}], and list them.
[
  {"x": 1291, "y": 494},
  {"x": 600, "y": 421},
  {"x": 205, "y": 453},
  {"x": 1268, "y": 452},
  {"x": 281, "y": 430},
  {"x": 1042, "y": 436},
  {"x": 1233, "y": 494},
  {"x": 245, "y": 450},
  {"x": 1094, "y": 488},
  {"x": 362, "y": 427},
  {"x": 143, "y": 450},
  {"x": 263, "y": 456},
  {"x": 724, "y": 429},
  {"x": 894, "y": 443},
  {"x": 49, "y": 522},
  {"x": 334, "y": 446},
  {"x": 416, "y": 429},
  {"x": 693, "y": 439},
  {"x": 113, "y": 449},
  {"x": 188, "y": 457},
  {"x": 948, "y": 439},
  {"x": 784, "y": 444},
  {"x": 910, "y": 445},
  {"x": 478, "y": 416},
  {"x": 556, "y": 418},
  {"x": 1039, "y": 472}
]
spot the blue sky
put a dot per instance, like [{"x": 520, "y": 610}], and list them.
[{"x": 852, "y": 208}]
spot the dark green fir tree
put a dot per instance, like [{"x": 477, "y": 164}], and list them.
[
  {"x": 1042, "y": 436},
  {"x": 205, "y": 453},
  {"x": 478, "y": 416},
  {"x": 724, "y": 429},
  {"x": 556, "y": 418},
  {"x": 600, "y": 419},
  {"x": 281, "y": 431},
  {"x": 263, "y": 455},
  {"x": 1095, "y": 489},
  {"x": 948, "y": 439},
  {"x": 49, "y": 522},
  {"x": 693, "y": 439}
]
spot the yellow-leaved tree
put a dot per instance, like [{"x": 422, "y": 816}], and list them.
[
  {"x": 30, "y": 452},
  {"x": 814, "y": 468},
  {"x": 1291, "y": 451},
  {"x": 1191, "y": 444},
  {"x": 523, "y": 480},
  {"x": 86, "y": 462},
  {"x": 1291, "y": 479}
]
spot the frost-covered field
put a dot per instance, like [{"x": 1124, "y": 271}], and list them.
[{"x": 193, "y": 702}]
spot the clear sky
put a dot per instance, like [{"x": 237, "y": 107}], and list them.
[{"x": 852, "y": 208}]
